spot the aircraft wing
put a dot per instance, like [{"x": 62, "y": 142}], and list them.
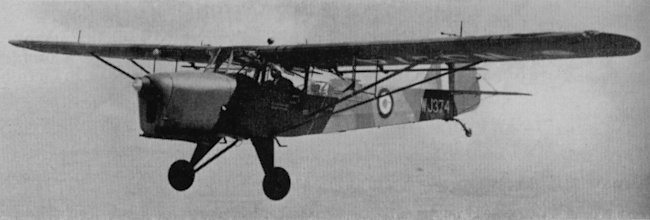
[
  {"x": 536, "y": 46},
  {"x": 492, "y": 48},
  {"x": 195, "y": 54}
]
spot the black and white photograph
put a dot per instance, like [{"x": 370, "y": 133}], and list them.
[{"x": 325, "y": 109}]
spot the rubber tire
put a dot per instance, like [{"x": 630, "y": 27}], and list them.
[
  {"x": 276, "y": 184},
  {"x": 181, "y": 175}
]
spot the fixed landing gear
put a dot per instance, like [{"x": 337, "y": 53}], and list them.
[
  {"x": 276, "y": 182},
  {"x": 181, "y": 173}
]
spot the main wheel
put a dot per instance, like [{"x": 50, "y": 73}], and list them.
[
  {"x": 276, "y": 184},
  {"x": 181, "y": 175}
]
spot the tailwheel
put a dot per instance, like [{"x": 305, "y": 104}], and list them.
[
  {"x": 181, "y": 175},
  {"x": 468, "y": 131},
  {"x": 276, "y": 183}
]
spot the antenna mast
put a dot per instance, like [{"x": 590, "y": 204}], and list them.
[{"x": 455, "y": 35}]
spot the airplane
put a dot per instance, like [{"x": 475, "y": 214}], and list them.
[{"x": 234, "y": 93}]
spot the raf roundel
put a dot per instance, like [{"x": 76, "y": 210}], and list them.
[{"x": 385, "y": 104}]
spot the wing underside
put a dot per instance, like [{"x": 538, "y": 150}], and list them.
[{"x": 493, "y": 48}]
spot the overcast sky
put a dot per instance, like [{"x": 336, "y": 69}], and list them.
[{"x": 69, "y": 144}]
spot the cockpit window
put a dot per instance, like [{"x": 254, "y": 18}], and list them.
[{"x": 280, "y": 79}]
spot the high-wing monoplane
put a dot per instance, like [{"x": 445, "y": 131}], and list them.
[{"x": 234, "y": 93}]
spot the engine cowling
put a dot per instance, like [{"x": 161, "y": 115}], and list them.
[{"x": 183, "y": 106}]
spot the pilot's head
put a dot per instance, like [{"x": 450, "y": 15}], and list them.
[{"x": 275, "y": 73}]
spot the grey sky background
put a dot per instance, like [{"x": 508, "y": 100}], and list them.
[{"x": 69, "y": 144}]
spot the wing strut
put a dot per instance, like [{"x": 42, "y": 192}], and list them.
[
  {"x": 111, "y": 65},
  {"x": 230, "y": 58},
  {"x": 306, "y": 79},
  {"x": 213, "y": 61},
  {"x": 138, "y": 65},
  {"x": 354, "y": 76},
  {"x": 407, "y": 87},
  {"x": 482, "y": 92},
  {"x": 382, "y": 69},
  {"x": 451, "y": 71}
]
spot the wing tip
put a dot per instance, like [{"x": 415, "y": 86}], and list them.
[
  {"x": 617, "y": 45},
  {"x": 22, "y": 43},
  {"x": 17, "y": 43}
]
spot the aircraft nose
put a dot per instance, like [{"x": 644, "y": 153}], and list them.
[
  {"x": 152, "y": 87},
  {"x": 140, "y": 83}
]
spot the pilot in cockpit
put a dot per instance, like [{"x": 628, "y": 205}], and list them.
[{"x": 279, "y": 82}]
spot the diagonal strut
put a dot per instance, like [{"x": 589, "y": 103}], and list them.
[
  {"x": 139, "y": 66},
  {"x": 114, "y": 67},
  {"x": 468, "y": 66},
  {"x": 217, "y": 155},
  {"x": 356, "y": 92}
]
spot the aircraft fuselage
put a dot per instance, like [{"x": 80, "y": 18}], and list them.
[{"x": 198, "y": 106}]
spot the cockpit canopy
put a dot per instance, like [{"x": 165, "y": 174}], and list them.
[{"x": 321, "y": 83}]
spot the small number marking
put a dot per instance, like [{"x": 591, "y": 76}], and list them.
[{"x": 435, "y": 105}]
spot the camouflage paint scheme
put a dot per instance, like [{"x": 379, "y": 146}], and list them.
[
  {"x": 199, "y": 106},
  {"x": 206, "y": 106},
  {"x": 195, "y": 106},
  {"x": 421, "y": 103}
]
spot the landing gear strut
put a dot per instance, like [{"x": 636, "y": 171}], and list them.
[
  {"x": 276, "y": 183},
  {"x": 181, "y": 173}
]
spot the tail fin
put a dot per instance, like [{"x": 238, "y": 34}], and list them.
[
  {"x": 465, "y": 80},
  {"x": 436, "y": 83}
]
